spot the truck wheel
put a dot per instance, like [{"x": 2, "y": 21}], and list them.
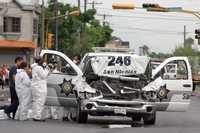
[
  {"x": 150, "y": 119},
  {"x": 81, "y": 117},
  {"x": 136, "y": 118}
]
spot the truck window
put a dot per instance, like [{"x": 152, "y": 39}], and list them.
[
  {"x": 176, "y": 70},
  {"x": 60, "y": 65}
]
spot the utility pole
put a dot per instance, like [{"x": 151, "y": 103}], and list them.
[
  {"x": 85, "y": 6},
  {"x": 79, "y": 4},
  {"x": 104, "y": 18},
  {"x": 93, "y": 3},
  {"x": 184, "y": 36},
  {"x": 42, "y": 35},
  {"x": 56, "y": 24}
]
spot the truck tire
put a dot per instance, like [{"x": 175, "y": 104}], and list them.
[
  {"x": 81, "y": 117},
  {"x": 136, "y": 118},
  {"x": 150, "y": 119}
]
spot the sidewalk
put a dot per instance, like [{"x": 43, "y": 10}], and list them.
[
  {"x": 4, "y": 96},
  {"x": 196, "y": 92}
]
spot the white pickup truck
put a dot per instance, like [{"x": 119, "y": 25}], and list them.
[{"x": 118, "y": 84}]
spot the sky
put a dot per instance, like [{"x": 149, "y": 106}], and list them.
[{"x": 161, "y": 32}]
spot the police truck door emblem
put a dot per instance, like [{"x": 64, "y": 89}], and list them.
[
  {"x": 66, "y": 87},
  {"x": 162, "y": 93}
]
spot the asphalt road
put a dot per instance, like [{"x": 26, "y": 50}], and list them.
[{"x": 184, "y": 122}]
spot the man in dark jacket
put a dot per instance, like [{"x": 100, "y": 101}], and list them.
[{"x": 12, "y": 108}]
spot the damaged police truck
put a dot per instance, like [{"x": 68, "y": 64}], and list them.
[{"x": 117, "y": 84}]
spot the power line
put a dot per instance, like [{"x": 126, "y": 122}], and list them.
[
  {"x": 160, "y": 18},
  {"x": 148, "y": 30},
  {"x": 93, "y": 3},
  {"x": 143, "y": 13}
]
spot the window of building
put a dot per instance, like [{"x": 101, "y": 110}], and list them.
[
  {"x": 12, "y": 24},
  {"x": 35, "y": 26}
]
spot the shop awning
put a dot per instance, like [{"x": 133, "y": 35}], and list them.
[{"x": 17, "y": 44}]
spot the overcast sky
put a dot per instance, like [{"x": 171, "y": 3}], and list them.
[{"x": 161, "y": 32}]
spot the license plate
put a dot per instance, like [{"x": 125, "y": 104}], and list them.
[{"x": 120, "y": 111}]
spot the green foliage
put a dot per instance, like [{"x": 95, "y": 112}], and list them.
[
  {"x": 159, "y": 55},
  {"x": 179, "y": 51},
  {"x": 78, "y": 34},
  {"x": 193, "y": 56},
  {"x": 184, "y": 51}
]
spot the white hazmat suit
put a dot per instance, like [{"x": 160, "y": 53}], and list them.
[
  {"x": 23, "y": 89},
  {"x": 39, "y": 90}
]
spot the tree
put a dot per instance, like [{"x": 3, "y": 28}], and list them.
[
  {"x": 159, "y": 55},
  {"x": 78, "y": 34},
  {"x": 184, "y": 51}
]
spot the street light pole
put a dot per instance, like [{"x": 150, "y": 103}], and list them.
[
  {"x": 85, "y": 6},
  {"x": 184, "y": 36},
  {"x": 42, "y": 26},
  {"x": 197, "y": 14},
  {"x": 56, "y": 24}
]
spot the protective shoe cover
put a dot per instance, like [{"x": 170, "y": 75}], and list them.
[
  {"x": 39, "y": 89},
  {"x": 23, "y": 88}
]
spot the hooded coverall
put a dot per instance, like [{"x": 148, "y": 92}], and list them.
[
  {"x": 23, "y": 89},
  {"x": 39, "y": 90}
]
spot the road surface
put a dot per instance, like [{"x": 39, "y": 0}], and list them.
[{"x": 185, "y": 122}]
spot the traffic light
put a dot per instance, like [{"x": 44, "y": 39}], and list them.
[
  {"x": 150, "y": 5},
  {"x": 197, "y": 34},
  {"x": 49, "y": 40},
  {"x": 154, "y": 7},
  {"x": 123, "y": 6}
]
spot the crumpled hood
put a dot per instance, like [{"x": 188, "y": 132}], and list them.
[
  {"x": 154, "y": 85},
  {"x": 82, "y": 86}
]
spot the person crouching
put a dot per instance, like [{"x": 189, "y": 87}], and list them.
[{"x": 23, "y": 89}]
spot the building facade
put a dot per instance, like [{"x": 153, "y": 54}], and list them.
[{"x": 18, "y": 30}]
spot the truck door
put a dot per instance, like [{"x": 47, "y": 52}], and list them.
[
  {"x": 176, "y": 75},
  {"x": 59, "y": 80}
]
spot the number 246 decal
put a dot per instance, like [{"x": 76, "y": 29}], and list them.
[{"x": 126, "y": 60}]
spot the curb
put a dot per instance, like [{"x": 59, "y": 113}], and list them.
[{"x": 195, "y": 94}]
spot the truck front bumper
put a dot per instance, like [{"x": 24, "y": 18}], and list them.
[{"x": 116, "y": 107}]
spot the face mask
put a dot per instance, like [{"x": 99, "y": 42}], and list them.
[{"x": 75, "y": 61}]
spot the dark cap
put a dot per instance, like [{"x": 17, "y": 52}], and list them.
[{"x": 38, "y": 60}]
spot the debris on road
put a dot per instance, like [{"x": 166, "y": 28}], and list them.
[{"x": 119, "y": 126}]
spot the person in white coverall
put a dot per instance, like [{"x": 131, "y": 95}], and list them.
[
  {"x": 39, "y": 88},
  {"x": 23, "y": 89}
]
